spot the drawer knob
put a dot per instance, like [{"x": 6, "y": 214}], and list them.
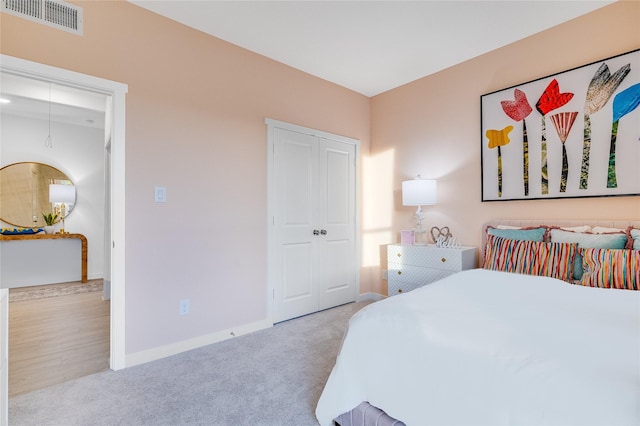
[
  {"x": 443, "y": 260},
  {"x": 399, "y": 290},
  {"x": 399, "y": 272},
  {"x": 399, "y": 254}
]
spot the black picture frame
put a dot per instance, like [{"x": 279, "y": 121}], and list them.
[{"x": 572, "y": 134}]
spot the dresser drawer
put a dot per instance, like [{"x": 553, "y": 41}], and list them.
[
  {"x": 415, "y": 276},
  {"x": 433, "y": 257},
  {"x": 412, "y": 266},
  {"x": 398, "y": 287}
]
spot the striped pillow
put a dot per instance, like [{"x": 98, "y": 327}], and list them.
[
  {"x": 502, "y": 254},
  {"x": 530, "y": 257},
  {"x": 554, "y": 260},
  {"x": 588, "y": 240},
  {"x": 611, "y": 268}
]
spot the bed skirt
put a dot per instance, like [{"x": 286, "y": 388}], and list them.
[{"x": 366, "y": 414}]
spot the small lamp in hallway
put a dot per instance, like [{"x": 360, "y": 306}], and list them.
[{"x": 61, "y": 196}]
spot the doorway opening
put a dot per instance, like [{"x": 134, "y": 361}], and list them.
[{"x": 114, "y": 243}]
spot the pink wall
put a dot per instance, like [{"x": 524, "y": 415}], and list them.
[
  {"x": 432, "y": 127},
  {"x": 195, "y": 124}
]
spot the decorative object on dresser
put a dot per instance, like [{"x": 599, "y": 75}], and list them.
[
  {"x": 440, "y": 233},
  {"x": 411, "y": 267},
  {"x": 451, "y": 242},
  {"x": 442, "y": 237},
  {"x": 419, "y": 192},
  {"x": 406, "y": 237}
]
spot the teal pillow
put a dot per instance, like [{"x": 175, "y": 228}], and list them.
[
  {"x": 635, "y": 234},
  {"x": 529, "y": 234},
  {"x": 586, "y": 240}
]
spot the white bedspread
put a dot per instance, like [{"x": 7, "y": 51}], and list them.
[{"x": 492, "y": 348}]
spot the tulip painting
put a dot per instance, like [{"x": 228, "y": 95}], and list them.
[
  {"x": 602, "y": 86},
  {"x": 498, "y": 138},
  {"x": 580, "y": 134},
  {"x": 563, "y": 122},
  {"x": 624, "y": 102},
  {"x": 518, "y": 110},
  {"x": 550, "y": 99}
]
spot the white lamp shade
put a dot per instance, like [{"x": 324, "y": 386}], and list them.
[
  {"x": 62, "y": 193},
  {"x": 419, "y": 192}
]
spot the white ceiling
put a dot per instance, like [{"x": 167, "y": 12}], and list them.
[
  {"x": 371, "y": 46},
  {"x": 40, "y": 100}
]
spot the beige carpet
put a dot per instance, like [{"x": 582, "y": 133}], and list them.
[{"x": 53, "y": 290}]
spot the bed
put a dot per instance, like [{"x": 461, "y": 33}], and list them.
[{"x": 489, "y": 347}]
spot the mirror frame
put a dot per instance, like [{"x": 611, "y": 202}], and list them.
[{"x": 38, "y": 203}]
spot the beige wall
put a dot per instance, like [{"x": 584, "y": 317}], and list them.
[
  {"x": 432, "y": 127},
  {"x": 195, "y": 124}
]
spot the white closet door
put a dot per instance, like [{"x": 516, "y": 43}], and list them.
[
  {"x": 336, "y": 245},
  {"x": 313, "y": 248},
  {"x": 295, "y": 171}
]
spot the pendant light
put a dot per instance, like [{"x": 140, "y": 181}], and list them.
[{"x": 48, "y": 142}]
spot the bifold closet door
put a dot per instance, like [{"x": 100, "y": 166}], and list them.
[
  {"x": 336, "y": 216},
  {"x": 314, "y": 224}
]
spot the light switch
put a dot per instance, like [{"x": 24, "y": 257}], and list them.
[{"x": 161, "y": 194}]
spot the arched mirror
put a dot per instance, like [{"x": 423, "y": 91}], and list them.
[{"x": 25, "y": 193}]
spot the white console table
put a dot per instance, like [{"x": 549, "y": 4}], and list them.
[{"x": 27, "y": 237}]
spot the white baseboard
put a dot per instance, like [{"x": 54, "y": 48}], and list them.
[
  {"x": 370, "y": 296},
  {"x": 160, "y": 352},
  {"x": 106, "y": 289}
]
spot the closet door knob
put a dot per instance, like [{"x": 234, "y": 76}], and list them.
[
  {"x": 316, "y": 232},
  {"x": 323, "y": 231}
]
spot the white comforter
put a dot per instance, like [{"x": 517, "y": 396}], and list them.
[{"x": 492, "y": 348}]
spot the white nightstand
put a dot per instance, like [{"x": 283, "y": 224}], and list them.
[{"x": 410, "y": 267}]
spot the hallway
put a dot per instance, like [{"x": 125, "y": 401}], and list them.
[{"x": 55, "y": 339}]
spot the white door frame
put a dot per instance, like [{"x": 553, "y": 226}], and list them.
[
  {"x": 271, "y": 124},
  {"x": 117, "y": 91}
]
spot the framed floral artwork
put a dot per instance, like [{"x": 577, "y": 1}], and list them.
[{"x": 571, "y": 134}]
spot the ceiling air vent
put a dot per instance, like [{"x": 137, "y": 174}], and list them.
[{"x": 57, "y": 14}]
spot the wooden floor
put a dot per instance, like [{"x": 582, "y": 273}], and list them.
[{"x": 56, "y": 339}]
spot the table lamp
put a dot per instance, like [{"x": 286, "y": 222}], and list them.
[
  {"x": 62, "y": 195},
  {"x": 419, "y": 192}
]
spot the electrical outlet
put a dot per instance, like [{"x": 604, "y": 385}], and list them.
[
  {"x": 385, "y": 274},
  {"x": 160, "y": 194},
  {"x": 184, "y": 307}
]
